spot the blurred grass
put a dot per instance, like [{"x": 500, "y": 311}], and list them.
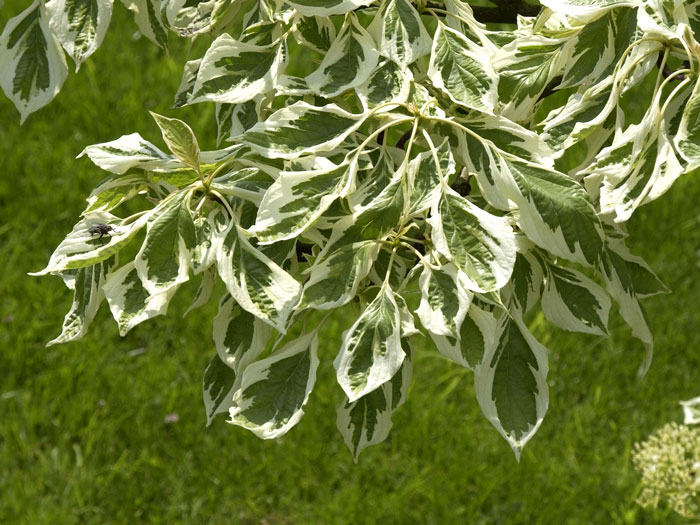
[{"x": 82, "y": 431}]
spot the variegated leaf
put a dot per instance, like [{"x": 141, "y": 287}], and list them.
[
  {"x": 371, "y": 352},
  {"x": 511, "y": 383},
  {"x": 240, "y": 337},
  {"x": 316, "y": 32},
  {"x": 463, "y": 70},
  {"x": 688, "y": 138},
  {"x": 387, "y": 83},
  {"x": 186, "y": 87},
  {"x": 165, "y": 256},
  {"x": 424, "y": 176},
  {"x": 481, "y": 245},
  {"x": 298, "y": 198},
  {"x": 598, "y": 48},
  {"x": 127, "y": 152},
  {"x": 233, "y": 120},
  {"x": 335, "y": 278},
  {"x": 130, "y": 303},
  {"x": 586, "y": 9},
  {"x": 555, "y": 212},
  {"x": 249, "y": 184},
  {"x": 574, "y": 302},
  {"x": 148, "y": 18},
  {"x": 445, "y": 299},
  {"x": 527, "y": 282},
  {"x": 367, "y": 421},
  {"x": 525, "y": 67},
  {"x": 638, "y": 167},
  {"x": 81, "y": 248},
  {"x": 347, "y": 64},
  {"x": 115, "y": 191},
  {"x": 80, "y": 25},
  {"x": 257, "y": 283},
  {"x": 326, "y": 7},
  {"x": 31, "y": 60},
  {"x": 273, "y": 391},
  {"x": 476, "y": 336},
  {"x": 218, "y": 387},
  {"x": 400, "y": 33},
  {"x": 204, "y": 251},
  {"x": 627, "y": 279},
  {"x": 205, "y": 290},
  {"x": 302, "y": 129},
  {"x": 232, "y": 72},
  {"x": 87, "y": 296}
]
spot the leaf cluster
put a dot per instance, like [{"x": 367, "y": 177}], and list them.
[{"x": 400, "y": 158}]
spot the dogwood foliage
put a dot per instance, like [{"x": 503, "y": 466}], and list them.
[{"x": 398, "y": 158}]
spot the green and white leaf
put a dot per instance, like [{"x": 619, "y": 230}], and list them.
[
  {"x": 180, "y": 139},
  {"x": 371, "y": 352},
  {"x": 233, "y": 72},
  {"x": 462, "y": 69},
  {"x": 424, "y": 176},
  {"x": 259, "y": 285},
  {"x": 316, "y": 32},
  {"x": 525, "y": 67},
  {"x": 511, "y": 383},
  {"x": 334, "y": 279},
  {"x": 598, "y": 47},
  {"x": 80, "y": 248},
  {"x": 233, "y": 120},
  {"x": 477, "y": 334},
  {"x": 367, "y": 421},
  {"x": 249, "y": 184},
  {"x": 527, "y": 282},
  {"x": 399, "y": 33},
  {"x": 218, "y": 387},
  {"x": 127, "y": 152},
  {"x": 481, "y": 245},
  {"x": 627, "y": 279},
  {"x": 348, "y": 63},
  {"x": 148, "y": 18},
  {"x": 445, "y": 299},
  {"x": 204, "y": 251},
  {"x": 302, "y": 129},
  {"x": 555, "y": 212},
  {"x": 387, "y": 83},
  {"x": 205, "y": 290},
  {"x": 326, "y": 7},
  {"x": 298, "y": 198},
  {"x": 574, "y": 302},
  {"x": 273, "y": 391},
  {"x": 638, "y": 167},
  {"x": 80, "y": 25},
  {"x": 87, "y": 296},
  {"x": 240, "y": 337},
  {"x": 115, "y": 191},
  {"x": 687, "y": 140},
  {"x": 586, "y": 9},
  {"x": 130, "y": 303},
  {"x": 164, "y": 260},
  {"x": 31, "y": 60},
  {"x": 186, "y": 87}
]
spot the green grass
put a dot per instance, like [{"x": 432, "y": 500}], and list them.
[{"x": 82, "y": 431}]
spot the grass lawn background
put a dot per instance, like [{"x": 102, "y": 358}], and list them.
[{"x": 82, "y": 431}]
